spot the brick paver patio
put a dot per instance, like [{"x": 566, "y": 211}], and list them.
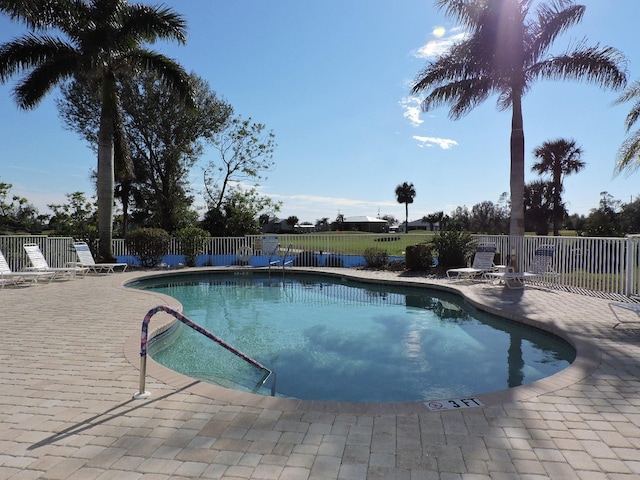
[{"x": 70, "y": 365}]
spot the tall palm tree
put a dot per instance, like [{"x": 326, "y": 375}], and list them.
[
  {"x": 405, "y": 193},
  {"x": 629, "y": 153},
  {"x": 504, "y": 52},
  {"x": 559, "y": 158},
  {"x": 97, "y": 41}
]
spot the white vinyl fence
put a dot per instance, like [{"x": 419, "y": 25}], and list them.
[{"x": 608, "y": 266}]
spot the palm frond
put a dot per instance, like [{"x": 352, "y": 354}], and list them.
[
  {"x": 31, "y": 89},
  {"x": 632, "y": 92},
  {"x": 604, "y": 66},
  {"x": 29, "y": 51},
  {"x": 628, "y": 158},
  {"x": 462, "y": 96},
  {"x": 169, "y": 71},
  {"x": 37, "y": 14},
  {"x": 148, "y": 24},
  {"x": 552, "y": 21}
]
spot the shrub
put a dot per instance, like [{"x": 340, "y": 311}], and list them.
[
  {"x": 148, "y": 244},
  {"x": 453, "y": 248},
  {"x": 376, "y": 258},
  {"x": 419, "y": 257},
  {"x": 191, "y": 243}
]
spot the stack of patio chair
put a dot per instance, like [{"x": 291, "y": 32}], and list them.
[
  {"x": 8, "y": 276},
  {"x": 39, "y": 263},
  {"x": 541, "y": 268}
]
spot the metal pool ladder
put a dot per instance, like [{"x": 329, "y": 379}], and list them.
[
  {"x": 189, "y": 323},
  {"x": 285, "y": 262}
]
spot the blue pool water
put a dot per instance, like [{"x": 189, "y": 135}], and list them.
[{"x": 336, "y": 340}]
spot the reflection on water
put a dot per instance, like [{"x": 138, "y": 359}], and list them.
[{"x": 349, "y": 341}]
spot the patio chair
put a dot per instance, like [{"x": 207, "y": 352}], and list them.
[
  {"x": 633, "y": 307},
  {"x": 8, "y": 276},
  {"x": 482, "y": 264},
  {"x": 85, "y": 259},
  {"x": 541, "y": 268},
  {"x": 39, "y": 263}
]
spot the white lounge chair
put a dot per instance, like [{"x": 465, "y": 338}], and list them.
[
  {"x": 39, "y": 263},
  {"x": 482, "y": 264},
  {"x": 541, "y": 268},
  {"x": 633, "y": 307},
  {"x": 85, "y": 259},
  {"x": 8, "y": 276}
]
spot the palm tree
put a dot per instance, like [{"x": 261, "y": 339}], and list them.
[
  {"x": 629, "y": 152},
  {"x": 504, "y": 52},
  {"x": 405, "y": 193},
  {"x": 103, "y": 43},
  {"x": 559, "y": 158}
]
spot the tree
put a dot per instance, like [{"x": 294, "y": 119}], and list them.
[
  {"x": 504, "y": 52},
  {"x": 292, "y": 221},
  {"x": 17, "y": 214},
  {"x": 538, "y": 206},
  {"x": 604, "y": 221},
  {"x": 103, "y": 43},
  {"x": 322, "y": 225},
  {"x": 558, "y": 158},
  {"x": 246, "y": 153},
  {"x": 76, "y": 219},
  {"x": 460, "y": 219},
  {"x": 488, "y": 217},
  {"x": 391, "y": 220},
  {"x": 239, "y": 215},
  {"x": 166, "y": 140},
  {"x": 405, "y": 193},
  {"x": 433, "y": 218},
  {"x": 630, "y": 217}
]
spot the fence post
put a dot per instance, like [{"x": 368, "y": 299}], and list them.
[{"x": 630, "y": 265}]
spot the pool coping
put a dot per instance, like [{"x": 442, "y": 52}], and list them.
[{"x": 588, "y": 357}]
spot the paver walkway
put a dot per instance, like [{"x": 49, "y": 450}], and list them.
[{"x": 69, "y": 368}]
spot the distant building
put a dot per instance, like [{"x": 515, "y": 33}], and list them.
[
  {"x": 418, "y": 225},
  {"x": 276, "y": 225},
  {"x": 364, "y": 223}
]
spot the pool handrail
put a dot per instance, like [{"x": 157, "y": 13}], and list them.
[
  {"x": 189, "y": 323},
  {"x": 284, "y": 259}
]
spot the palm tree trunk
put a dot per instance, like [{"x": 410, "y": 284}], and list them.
[
  {"x": 406, "y": 218},
  {"x": 557, "y": 209},
  {"x": 105, "y": 185},
  {"x": 516, "y": 226}
]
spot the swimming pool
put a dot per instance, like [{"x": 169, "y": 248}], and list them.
[{"x": 340, "y": 340}]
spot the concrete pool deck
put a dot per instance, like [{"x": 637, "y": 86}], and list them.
[{"x": 70, "y": 365}]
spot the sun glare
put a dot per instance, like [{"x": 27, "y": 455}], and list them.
[{"x": 438, "y": 32}]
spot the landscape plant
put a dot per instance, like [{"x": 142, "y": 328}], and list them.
[
  {"x": 149, "y": 245},
  {"x": 453, "y": 249},
  {"x": 375, "y": 258},
  {"x": 191, "y": 243},
  {"x": 419, "y": 257}
]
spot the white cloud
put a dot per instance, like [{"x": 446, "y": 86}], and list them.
[
  {"x": 411, "y": 106},
  {"x": 444, "y": 143},
  {"x": 441, "y": 44}
]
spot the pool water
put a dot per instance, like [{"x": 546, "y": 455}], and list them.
[{"x": 337, "y": 340}]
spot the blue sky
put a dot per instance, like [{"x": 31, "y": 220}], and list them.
[{"x": 332, "y": 79}]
